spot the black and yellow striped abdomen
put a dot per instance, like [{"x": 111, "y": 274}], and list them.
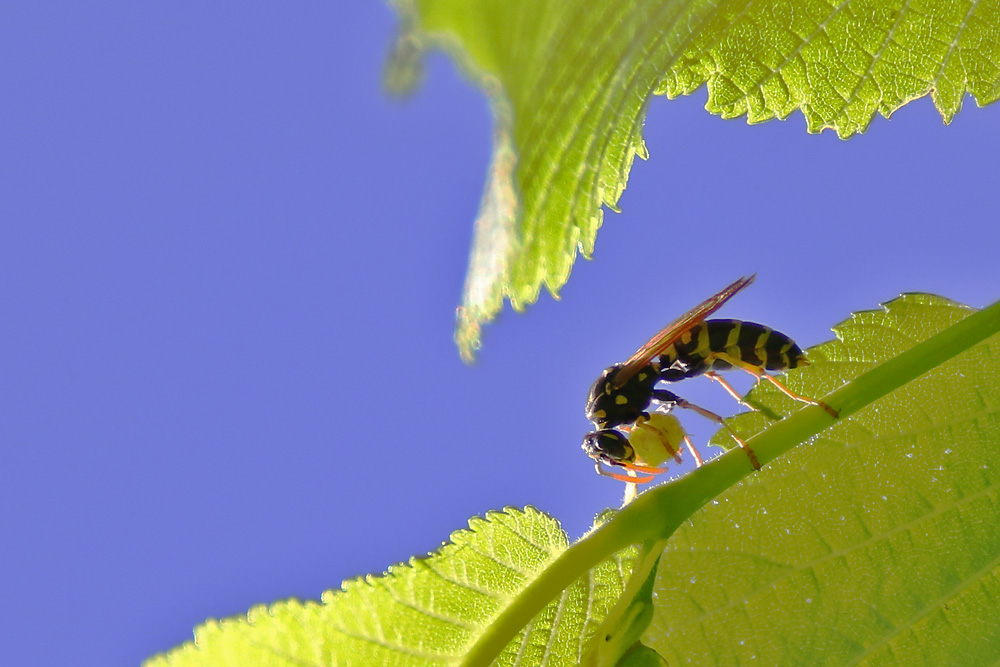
[{"x": 706, "y": 345}]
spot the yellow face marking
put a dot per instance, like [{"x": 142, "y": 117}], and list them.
[{"x": 620, "y": 400}]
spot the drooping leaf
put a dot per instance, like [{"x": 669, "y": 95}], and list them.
[
  {"x": 426, "y": 612},
  {"x": 877, "y": 543},
  {"x": 569, "y": 81}
]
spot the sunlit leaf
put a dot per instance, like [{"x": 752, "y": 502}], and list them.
[
  {"x": 869, "y": 541},
  {"x": 426, "y": 612},
  {"x": 877, "y": 543},
  {"x": 569, "y": 82}
]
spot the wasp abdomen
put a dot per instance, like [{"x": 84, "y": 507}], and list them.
[{"x": 704, "y": 348}]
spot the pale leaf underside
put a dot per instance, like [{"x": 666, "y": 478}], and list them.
[{"x": 570, "y": 80}]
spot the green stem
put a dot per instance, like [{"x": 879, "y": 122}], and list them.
[
  {"x": 613, "y": 638},
  {"x": 656, "y": 514}
]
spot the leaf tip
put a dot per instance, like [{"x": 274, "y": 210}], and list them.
[
  {"x": 468, "y": 335},
  {"x": 403, "y": 70}
]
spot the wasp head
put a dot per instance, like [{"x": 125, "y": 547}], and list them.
[{"x": 608, "y": 446}]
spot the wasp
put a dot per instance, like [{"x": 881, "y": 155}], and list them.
[{"x": 620, "y": 400}]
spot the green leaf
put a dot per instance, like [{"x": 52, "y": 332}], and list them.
[
  {"x": 426, "y": 612},
  {"x": 657, "y": 513},
  {"x": 617, "y": 643},
  {"x": 569, "y": 82},
  {"x": 876, "y": 543}
]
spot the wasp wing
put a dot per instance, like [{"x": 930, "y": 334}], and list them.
[{"x": 670, "y": 333}]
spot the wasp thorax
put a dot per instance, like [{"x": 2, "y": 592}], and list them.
[
  {"x": 609, "y": 446},
  {"x": 613, "y": 402},
  {"x": 600, "y": 393}
]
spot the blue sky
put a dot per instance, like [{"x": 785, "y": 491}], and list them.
[{"x": 228, "y": 272}]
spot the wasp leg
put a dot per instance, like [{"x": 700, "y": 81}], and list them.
[
  {"x": 645, "y": 469},
  {"x": 712, "y": 375},
  {"x": 621, "y": 478},
  {"x": 759, "y": 373},
  {"x": 670, "y": 397},
  {"x": 698, "y": 462}
]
